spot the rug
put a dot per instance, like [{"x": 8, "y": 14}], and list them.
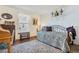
[{"x": 34, "y": 46}]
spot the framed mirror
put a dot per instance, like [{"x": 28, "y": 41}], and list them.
[{"x": 6, "y": 16}]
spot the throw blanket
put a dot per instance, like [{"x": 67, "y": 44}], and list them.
[{"x": 72, "y": 30}]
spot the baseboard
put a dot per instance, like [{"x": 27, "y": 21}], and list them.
[{"x": 33, "y": 37}]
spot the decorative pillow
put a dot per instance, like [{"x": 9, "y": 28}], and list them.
[{"x": 48, "y": 28}]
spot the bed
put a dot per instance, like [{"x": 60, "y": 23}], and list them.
[{"x": 57, "y": 37}]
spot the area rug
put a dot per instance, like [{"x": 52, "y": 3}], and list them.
[{"x": 33, "y": 47}]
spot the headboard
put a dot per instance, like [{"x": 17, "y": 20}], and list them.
[{"x": 59, "y": 28}]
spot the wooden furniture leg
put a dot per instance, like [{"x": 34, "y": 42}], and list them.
[
  {"x": 9, "y": 47},
  {"x": 70, "y": 35}
]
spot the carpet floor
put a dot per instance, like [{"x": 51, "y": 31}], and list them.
[{"x": 34, "y": 46}]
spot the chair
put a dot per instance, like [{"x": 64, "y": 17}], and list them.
[
  {"x": 5, "y": 37},
  {"x": 10, "y": 28}
]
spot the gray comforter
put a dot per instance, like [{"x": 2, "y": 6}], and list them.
[{"x": 57, "y": 37}]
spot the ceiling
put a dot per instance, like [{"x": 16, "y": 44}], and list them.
[{"x": 38, "y": 9}]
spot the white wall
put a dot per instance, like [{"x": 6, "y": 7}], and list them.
[
  {"x": 44, "y": 19},
  {"x": 70, "y": 17}
]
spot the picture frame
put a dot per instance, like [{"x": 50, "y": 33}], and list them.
[
  {"x": 35, "y": 21},
  {"x": 6, "y": 16}
]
